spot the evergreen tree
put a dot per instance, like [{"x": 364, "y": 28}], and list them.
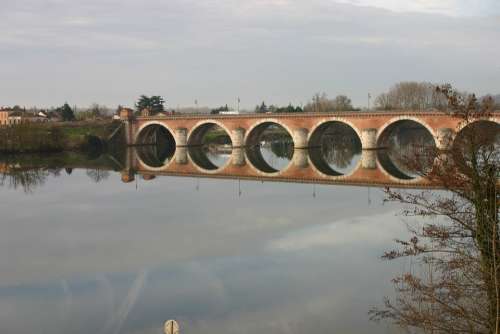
[
  {"x": 67, "y": 114},
  {"x": 154, "y": 104}
]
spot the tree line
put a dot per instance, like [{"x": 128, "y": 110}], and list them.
[{"x": 406, "y": 95}]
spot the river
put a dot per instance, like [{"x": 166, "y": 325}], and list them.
[{"x": 82, "y": 251}]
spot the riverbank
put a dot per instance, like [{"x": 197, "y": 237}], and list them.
[{"x": 57, "y": 137}]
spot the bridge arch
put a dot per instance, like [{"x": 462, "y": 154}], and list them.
[
  {"x": 481, "y": 135},
  {"x": 145, "y": 125},
  {"x": 253, "y": 131},
  {"x": 197, "y": 132},
  {"x": 200, "y": 155},
  {"x": 406, "y": 157},
  {"x": 262, "y": 168},
  {"x": 395, "y": 178},
  {"x": 203, "y": 164},
  {"x": 382, "y": 130},
  {"x": 329, "y": 173},
  {"x": 157, "y": 155},
  {"x": 254, "y": 155},
  {"x": 335, "y": 147},
  {"x": 463, "y": 125},
  {"x": 323, "y": 122}
]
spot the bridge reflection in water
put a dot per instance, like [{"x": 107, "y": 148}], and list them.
[
  {"x": 350, "y": 148},
  {"x": 332, "y": 162}
]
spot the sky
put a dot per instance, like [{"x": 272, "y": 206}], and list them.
[{"x": 214, "y": 51}]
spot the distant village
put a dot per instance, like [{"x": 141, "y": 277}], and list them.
[{"x": 11, "y": 117}]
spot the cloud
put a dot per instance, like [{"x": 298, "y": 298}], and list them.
[
  {"x": 443, "y": 7},
  {"x": 215, "y": 50},
  {"x": 340, "y": 233}
]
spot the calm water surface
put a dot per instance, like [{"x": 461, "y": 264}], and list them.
[{"x": 225, "y": 256}]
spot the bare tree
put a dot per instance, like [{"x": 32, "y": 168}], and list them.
[
  {"x": 97, "y": 175},
  {"x": 342, "y": 102},
  {"x": 456, "y": 248},
  {"x": 411, "y": 95},
  {"x": 321, "y": 103}
]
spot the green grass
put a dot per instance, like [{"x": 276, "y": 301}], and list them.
[{"x": 51, "y": 137}]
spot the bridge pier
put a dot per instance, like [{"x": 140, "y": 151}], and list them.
[
  {"x": 181, "y": 137},
  {"x": 238, "y": 137},
  {"x": 300, "y": 138},
  {"x": 300, "y": 158},
  {"x": 181, "y": 155},
  {"x": 128, "y": 173},
  {"x": 369, "y": 139},
  {"x": 127, "y": 117},
  {"x": 238, "y": 156},
  {"x": 369, "y": 159}
]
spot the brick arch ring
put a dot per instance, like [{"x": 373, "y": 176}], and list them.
[
  {"x": 381, "y": 130},
  {"x": 149, "y": 123},
  {"x": 136, "y": 137},
  {"x": 334, "y": 120},
  {"x": 205, "y": 122}
]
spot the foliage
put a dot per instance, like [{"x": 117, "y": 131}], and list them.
[
  {"x": 288, "y": 109},
  {"x": 218, "y": 110},
  {"x": 456, "y": 248},
  {"x": 262, "y": 108},
  {"x": 154, "y": 104},
  {"x": 67, "y": 114},
  {"x": 29, "y": 171}
]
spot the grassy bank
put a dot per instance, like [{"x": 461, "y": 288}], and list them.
[{"x": 55, "y": 137}]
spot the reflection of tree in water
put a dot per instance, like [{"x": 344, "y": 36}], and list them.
[
  {"x": 97, "y": 175},
  {"x": 407, "y": 147},
  {"x": 407, "y": 138},
  {"x": 479, "y": 142},
  {"x": 339, "y": 149},
  {"x": 27, "y": 179},
  {"x": 282, "y": 148}
]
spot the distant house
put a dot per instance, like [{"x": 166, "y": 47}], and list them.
[
  {"x": 10, "y": 117},
  {"x": 4, "y": 117}
]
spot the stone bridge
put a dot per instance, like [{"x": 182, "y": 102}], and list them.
[
  {"x": 372, "y": 129},
  {"x": 304, "y": 128}
]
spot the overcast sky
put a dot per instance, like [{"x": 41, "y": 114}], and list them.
[{"x": 280, "y": 51}]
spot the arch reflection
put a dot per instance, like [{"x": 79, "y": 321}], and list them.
[
  {"x": 407, "y": 150},
  {"x": 210, "y": 147},
  {"x": 335, "y": 148},
  {"x": 479, "y": 142},
  {"x": 269, "y": 147},
  {"x": 156, "y": 146}
]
